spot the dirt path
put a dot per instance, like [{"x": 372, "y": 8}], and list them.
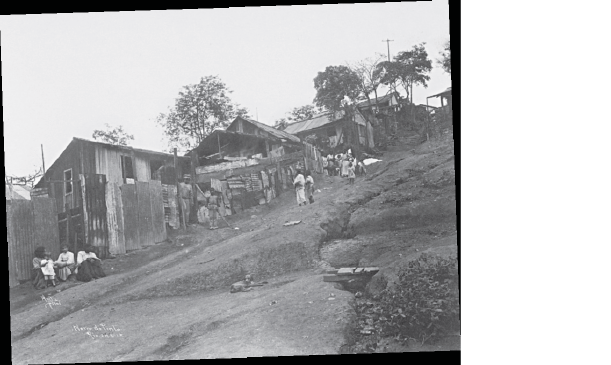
[{"x": 171, "y": 301}]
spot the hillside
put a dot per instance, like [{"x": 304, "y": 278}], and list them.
[{"x": 171, "y": 301}]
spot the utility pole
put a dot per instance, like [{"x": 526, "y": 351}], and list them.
[
  {"x": 388, "y": 46},
  {"x": 42, "y": 152}
]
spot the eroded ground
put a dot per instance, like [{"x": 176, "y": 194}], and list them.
[{"x": 171, "y": 301}]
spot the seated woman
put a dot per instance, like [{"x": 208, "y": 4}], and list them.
[
  {"x": 88, "y": 265},
  {"x": 65, "y": 264},
  {"x": 38, "y": 277}
]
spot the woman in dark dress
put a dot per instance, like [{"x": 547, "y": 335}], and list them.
[
  {"x": 38, "y": 278},
  {"x": 88, "y": 265}
]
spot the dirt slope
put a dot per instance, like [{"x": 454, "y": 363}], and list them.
[{"x": 173, "y": 302}]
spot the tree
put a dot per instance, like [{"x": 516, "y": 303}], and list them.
[
  {"x": 199, "y": 109},
  {"x": 303, "y": 113},
  {"x": 370, "y": 75},
  {"x": 336, "y": 87},
  {"x": 445, "y": 61},
  {"x": 281, "y": 124},
  {"x": 113, "y": 135},
  {"x": 409, "y": 68},
  {"x": 29, "y": 179}
]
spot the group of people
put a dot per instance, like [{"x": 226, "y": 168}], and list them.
[
  {"x": 211, "y": 203},
  {"x": 304, "y": 187},
  {"x": 45, "y": 269},
  {"x": 344, "y": 165}
]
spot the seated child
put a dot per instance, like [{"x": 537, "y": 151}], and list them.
[{"x": 47, "y": 266}]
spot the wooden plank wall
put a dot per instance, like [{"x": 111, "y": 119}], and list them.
[
  {"x": 130, "y": 217},
  {"x": 142, "y": 168},
  {"x": 158, "y": 215},
  {"x": 95, "y": 205},
  {"x": 21, "y": 225},
  {"x": 46, "y": 231},
  {"x": 30, "y": 223},
  {"x": 145, "y": 216}
]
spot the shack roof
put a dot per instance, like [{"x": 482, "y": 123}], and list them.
[
  {"x": 109, "y": 146},
  {"x": 447, "y": 91},
  {"x": 269, "y": 129},
  {"x": 125, "y": 148},
  {"x": 18, "y": 192},
  {"x": 375, "y": 101},
  {"x": 317, "y": 121},
  {"x": 210, "y": 144}
]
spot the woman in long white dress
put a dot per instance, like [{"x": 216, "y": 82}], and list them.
[{"x": 299, "y": 184}]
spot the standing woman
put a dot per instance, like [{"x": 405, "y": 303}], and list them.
[
  {"x": 345, "y": 164},
  {"x": 299, "y": 184},
  {"x": 38, "y": 278}
]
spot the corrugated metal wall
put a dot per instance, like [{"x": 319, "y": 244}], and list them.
[
  {"x": 30, "y": 224},
  {"x": 114, "y": 217},
  {"x": 95, "y": 206},
  {"x": 158, "y": 215},
  {"x": 145, "y": 216},
  {"x": 130, "y": 217},
  {"x": 142, "y": 168},
  {"x": 108, "y": 162}
]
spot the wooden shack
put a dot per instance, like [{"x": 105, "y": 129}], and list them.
[{"x": 120, "y": 165}]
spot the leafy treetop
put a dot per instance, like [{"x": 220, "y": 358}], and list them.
[{"x": 113, "y": 135}]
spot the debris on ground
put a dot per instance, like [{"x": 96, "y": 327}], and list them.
[
  {"x": 369, "y": 161},
  {"x": 292, "y": 223}
]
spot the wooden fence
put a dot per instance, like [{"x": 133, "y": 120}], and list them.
[
  {"x": 29, "y": 224},
  {"x": 135, "y": 216},
  {"x": 113, "y": 219}
]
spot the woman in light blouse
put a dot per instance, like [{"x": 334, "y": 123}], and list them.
[{"x": 65, "y": 264}]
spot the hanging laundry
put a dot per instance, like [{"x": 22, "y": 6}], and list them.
[
  {"x": 215, "y": 184},
  {"x": 265, "y": 180}
]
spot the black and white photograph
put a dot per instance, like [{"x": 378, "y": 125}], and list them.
[{"x": 237, "y": 182}]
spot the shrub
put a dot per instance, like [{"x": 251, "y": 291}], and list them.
[{"x": 423, "y": 304}]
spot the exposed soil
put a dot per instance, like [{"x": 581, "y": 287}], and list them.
[{"x": 171, "y": 300}]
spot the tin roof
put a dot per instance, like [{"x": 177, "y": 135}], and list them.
[
  {"x": 271, "y": 130},
  {"x": 126, "y": 148},
  {"x": 443, "y": 93},
  {"x": 19, "y": 192},
  {"x": 317, "y": 121},
  {"x": 374, "y": 101}
]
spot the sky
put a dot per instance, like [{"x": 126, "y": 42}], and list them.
[{"x": 65, "y": 75}]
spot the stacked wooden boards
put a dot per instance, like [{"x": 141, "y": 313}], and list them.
[{"x": 348, "y": 273}]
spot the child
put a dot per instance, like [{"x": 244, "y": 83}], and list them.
[
  {"x": 362, "y": 170},
  {"x": 213, "y": 209},
  {"x": 309, "y": 186},
  {"x": 351, "y": 173},
  {"x": 47, "y": 268}
]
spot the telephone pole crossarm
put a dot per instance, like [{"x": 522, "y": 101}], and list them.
[{"x": 388, "y": 46}]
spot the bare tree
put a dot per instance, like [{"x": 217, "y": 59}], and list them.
[{"x": 29, "y": 179}]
